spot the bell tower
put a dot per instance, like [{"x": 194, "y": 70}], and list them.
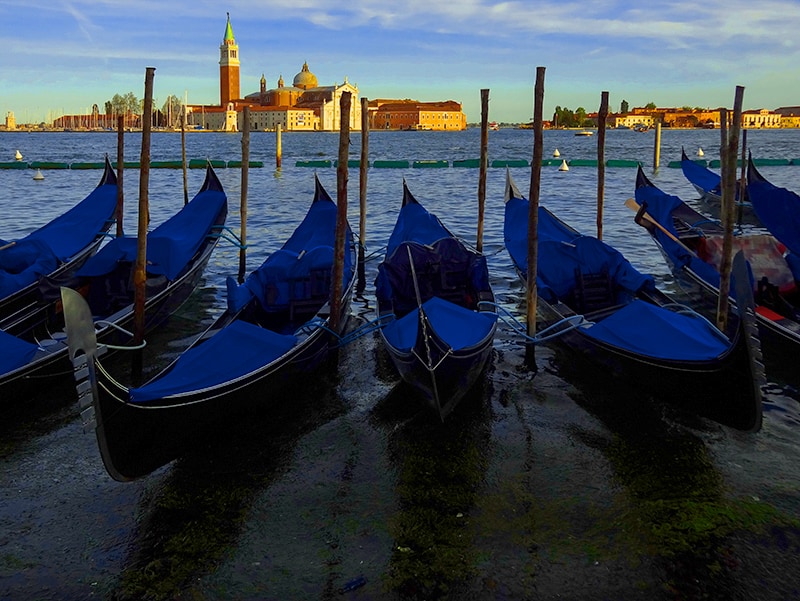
[{"x": 228, "y": 67}]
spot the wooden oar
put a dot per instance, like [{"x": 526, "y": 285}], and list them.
[
  {"x": 9, "y": 245},
  {"x": 635, "y": 206}
]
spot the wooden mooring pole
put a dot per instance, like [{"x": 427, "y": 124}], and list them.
[
  {"x": 361, "y": 285},
  {"x": 484, "y": 164},
  {"x": 278, "y": 149},
  {"x": 657, "y": 147},
  {"x": 183, "y": 159},
  {"x": 729, "y": 148},
  {"x": 602, "y": 115},
  {"x": 140, "y": 270},
  {"x": 533, "y": 216},
  {"x": 341, "y": 212},
  {"x": 243, "y": 202},
  {"x": 120, "y": 171}
]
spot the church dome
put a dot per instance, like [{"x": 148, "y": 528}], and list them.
[{"x": 305, "y": 79}]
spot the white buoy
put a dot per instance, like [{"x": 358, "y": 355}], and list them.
[
  {"x": 18, "y": 156},
  {"x": 700, "y": 152},
  {"x": 38, "y": 175},
  {"x": 556, "y": 153},
  {"x": 564, "y": 166}
]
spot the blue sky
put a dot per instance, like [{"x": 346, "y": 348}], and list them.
[{"x": 61, "y": 57}]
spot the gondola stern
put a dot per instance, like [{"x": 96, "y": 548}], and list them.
[
  {"x": 320, "y": 194},
  {"x": 408, "y": 198},
  {"x": 748, "y": 331},
  {"x": 109, "y": 175},
  {"x": 211, "y": 182},
  {"x": 511, "y": 188}
]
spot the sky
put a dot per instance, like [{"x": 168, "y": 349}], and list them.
[{"x": 61, "y": 57}]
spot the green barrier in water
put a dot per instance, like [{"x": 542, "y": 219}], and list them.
[
  {"x": 14, "y": 165},
  {"x": 354, "y": 163},
  {"x": 582, "y": 163},
  {"x": 238, "y": 164},
  {"x": 430, "y": 164},
  {"x": 474, "y": 163},
  {"x": 49, "y": 165},
  {"x": 390, "y": 164},
  {"x": 510, "y": 163}
]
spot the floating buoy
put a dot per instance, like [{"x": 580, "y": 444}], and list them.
[
  {"x": 556, "y": 153},
  {"x": 18, "y": 156},
  {"x": 38, "y": 175},
  {"x": 700, "y": 152},
  {"x": 564, "y": 166}
]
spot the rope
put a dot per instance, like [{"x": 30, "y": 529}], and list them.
[
  {"x": 103, "y": 322},
  {"x": 572, "y": 322},
  {"x": 318, "y": 323},
  {"x": 686, "y": 310}
]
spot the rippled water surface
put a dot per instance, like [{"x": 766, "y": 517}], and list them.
[{"x": 558, "y": 485}]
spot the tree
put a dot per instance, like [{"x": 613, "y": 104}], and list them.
[
  {"x": 624, "y": 107},
  {"x": 650, "y": 106}
]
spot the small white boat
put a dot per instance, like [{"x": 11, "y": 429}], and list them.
[{"x": 584, "y": 133}]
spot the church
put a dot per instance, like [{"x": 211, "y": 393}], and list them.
[{"x": 302, "y": 106}]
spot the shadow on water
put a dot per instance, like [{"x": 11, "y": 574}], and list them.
[
  {"x": 194, "y": 516},
  {"x": 440, "y": 469},
  {"x": 676, "y": 509}
]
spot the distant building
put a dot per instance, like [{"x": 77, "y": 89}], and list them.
[
  {"x": 303, "y": 106},
  {"x": 11, "y": 122},
  {"x": 415, "y": 115},
  {"x": 761, "y": 118}
]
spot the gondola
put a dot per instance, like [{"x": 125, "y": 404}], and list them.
[
  {"x": 275, "y": 328},
  {"x": 429, "y": 290},
  {"x": 53, "y": 251},
  {"x": 692, "y": 245},
  {"x": 178, "y": 251},
  {"x": 709, "y": 186},
  {"x": 611, "y": 315}
]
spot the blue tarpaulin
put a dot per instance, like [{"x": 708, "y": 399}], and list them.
[
  {"x": 170, "y": 246},
  {"x": 14, "y": 353},
  {"x": 234, "y": 351},
  {"x": 458, "y": 327},
  {"x": 649, "y": 330}
]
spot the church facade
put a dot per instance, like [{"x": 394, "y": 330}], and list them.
[{"x": 303, "y": 106}]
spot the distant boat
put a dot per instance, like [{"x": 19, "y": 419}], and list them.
[
  {"x": 493, "y": 125},
  {"x": 584, "y": 133}
]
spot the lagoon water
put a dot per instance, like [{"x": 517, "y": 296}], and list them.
[{"x": 546, "y": 486}]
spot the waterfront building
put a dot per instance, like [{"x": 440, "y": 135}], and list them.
[
  {"x": 303, "y": 106},
  {"x": 760, "y": 118},
  {"x": 11, "y": 122},
  {"x": 415, "y": 115}
]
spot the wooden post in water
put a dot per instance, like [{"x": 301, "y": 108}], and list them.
[
  {"x": 531, "y": 296},
  {"x": 243, "y": 204},
  {"x": 183, "y": 158},
  {"x": 657, "y": 147},
  {"x": 341, "y": 211},
  {"x": 361, "y": 285},
  {"x": 742, "y": 192},
  {"x": 729, "y": 151},
  {"x": 140, "y": 270},
  {"x": 120, "y": 171},
  {"x": 602, "y": 115},
  {"x": 484, "y": 164},
  {"x": 278, "y": 149}
]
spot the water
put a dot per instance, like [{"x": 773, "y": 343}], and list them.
[{"x": 547, "y": 486}]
